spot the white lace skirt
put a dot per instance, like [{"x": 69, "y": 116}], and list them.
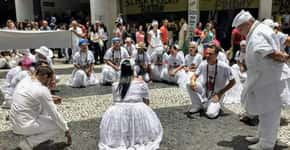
[{"x": 130, "y": 126}]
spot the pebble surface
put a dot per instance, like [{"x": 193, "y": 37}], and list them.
[{"x": 83, "y": 109}]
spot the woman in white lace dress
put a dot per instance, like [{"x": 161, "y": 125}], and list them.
[{"x": 129, "y": 124}]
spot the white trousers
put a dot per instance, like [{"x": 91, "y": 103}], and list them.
[
  {"x": 109, "y": 75},
  {"x": 180, "y": 77},
  {"x": 198, "y": 102},
  {"x": 268, "y": 127},
  {"x": 41, "y": 130},
  {"x": 80, "y": 79},
  {"x": 156, "y": 72}
]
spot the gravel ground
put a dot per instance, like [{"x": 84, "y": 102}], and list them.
[{"x": 83, "y": 109}]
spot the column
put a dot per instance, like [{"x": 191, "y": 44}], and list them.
[
  {"x": 193, "y": 16},
  {"x": 105, "y": 11},
  {"x": 265, "y": 9},
  {"x": 24, "y": 10}
]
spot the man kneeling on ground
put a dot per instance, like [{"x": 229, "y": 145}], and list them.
[
  {"x": 209, "y": 83},
  {"x": 33, "y": 112}
]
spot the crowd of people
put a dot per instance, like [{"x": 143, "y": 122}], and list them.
[{"x": 254, "y": 71}]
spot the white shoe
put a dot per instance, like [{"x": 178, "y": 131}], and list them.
[
  {"x": 24, "y": 145},
  {"x": 258, "y": 146},
  {"x": 252, "y": 139}
]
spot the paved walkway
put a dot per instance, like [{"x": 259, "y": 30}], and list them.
[{"x": 83, "y": 109}]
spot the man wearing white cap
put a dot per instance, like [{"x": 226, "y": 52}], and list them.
[
  {"x": 267, "y": 83},
  {"x": 113, "y": 57},
  {"x": 83, "y": 75}
]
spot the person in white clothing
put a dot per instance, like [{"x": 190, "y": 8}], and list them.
[
  {"x": 267, "y": 83},
  {"x": 13, "y": 76},
  {"x": 129, "y": 123},
  {"x": 141, "y": 61},
  {"x": 174, "y": 71},
  {"x": 211, "y": 81},
  {"x": 44, "y": 54},
  {"x": 155, "y": 45},
  {"x": 83, "y": 75},
  {"x": 282, "y": 39},
  {"x": 193, "y": 59},
  {"x": 113, "y": 57},
  {"x": 239, "y": 72},
  {"x": 77, "y": 35},
  {"x": 33, "y": 113},
  {"x": 158, "y": 62},
  {"x": 129, "y": 46}
]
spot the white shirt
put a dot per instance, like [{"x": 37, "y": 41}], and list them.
[
  {"x": 130, "y": 49},
  {"x": 222, "y": 57},
  {"x": 82, "y": 58},
  {"x": 30, "y": 101},
  {"x": 155, "y": 38},
  {"x": 263, "y": 74},
  {"x": 190, "y": 60},
  {"x": 140, "y": 58},
  {"x": 76, "y": 38},
  {"x": 175, "y": 61},
  {"x": 265, "y": 70},
  {"x": 222, "y": 75},
  {"x": 116, "y": 56}
]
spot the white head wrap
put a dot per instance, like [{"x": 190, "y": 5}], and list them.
[
  {"x": 269, "y": 22},
  {"x": 154, "y": 22},
  {"x": 241, "y": 18}
]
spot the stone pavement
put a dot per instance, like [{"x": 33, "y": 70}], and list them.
[{"x": 83, "y": 109}]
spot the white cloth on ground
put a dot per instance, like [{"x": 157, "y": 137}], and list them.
[{"x": 129, "y": 123}]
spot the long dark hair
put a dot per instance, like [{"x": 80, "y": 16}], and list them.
[{"x": 125, "y": 79}]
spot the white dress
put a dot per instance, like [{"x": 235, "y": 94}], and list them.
[
  {"x": 79, "y": 77},
  {"x": 129, "y": 124},
  {"x": 233, "y": 96},
  {"x": 157, "y": 46}
]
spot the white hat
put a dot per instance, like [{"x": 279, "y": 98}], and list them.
[
  {"x": 269, "y": 22},
  {"x": 43, "y": 50},
  {"x": 241, "y": 18},
  {"x": 243, "y": 42}
]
